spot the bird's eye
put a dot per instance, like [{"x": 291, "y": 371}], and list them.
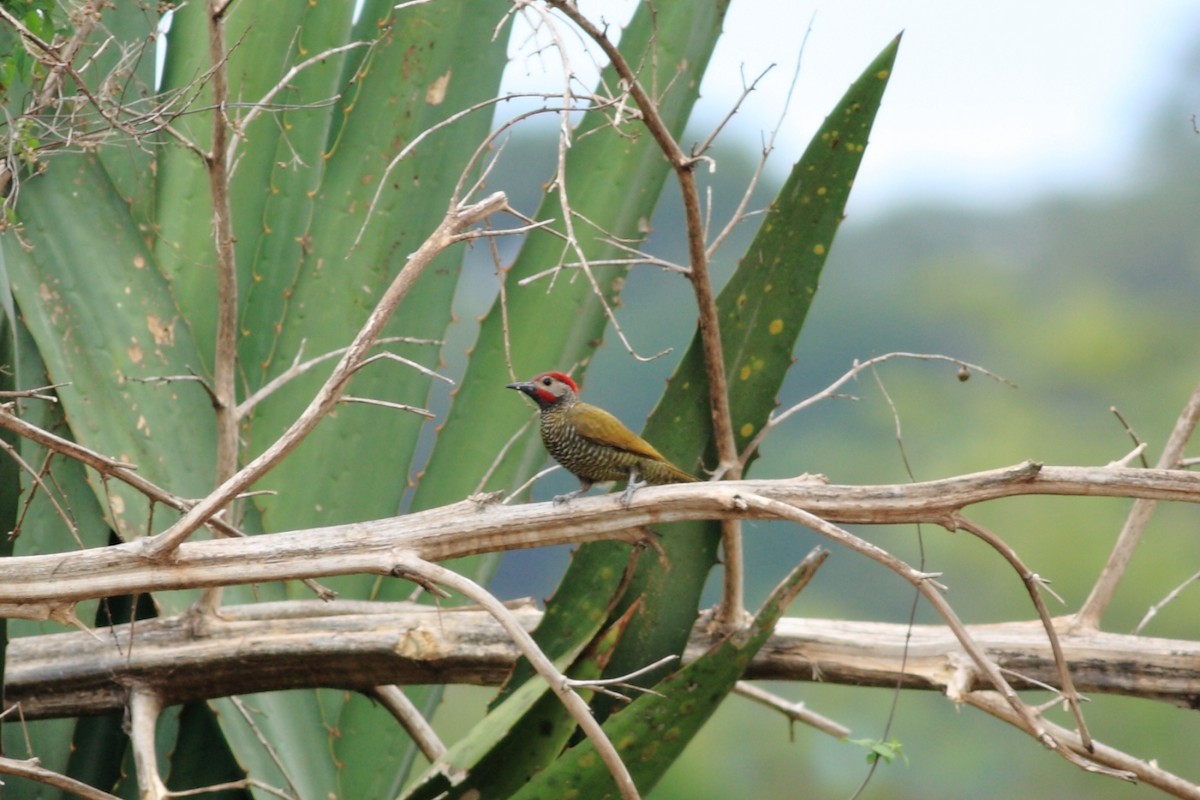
[{"x": 547, "y": 381}]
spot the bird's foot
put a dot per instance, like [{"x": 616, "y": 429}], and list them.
[
  {"x": 630, "y": 488},
  {"x": 559, "y": 499}
]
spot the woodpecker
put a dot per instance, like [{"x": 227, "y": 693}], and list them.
[{"x": 591, "y": 443}]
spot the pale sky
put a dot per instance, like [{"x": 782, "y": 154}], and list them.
[{"x": 989, "y": 103}]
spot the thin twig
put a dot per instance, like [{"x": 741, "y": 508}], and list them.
[
  {"x": 732, "y": 611},
  {"x": 740, "y": 214},
  {"x": 370, "y": 401},
  {"x": 927, "y": 586},
  {"x": 1152, "y": 612},
  {"x": 106, "y": 466},
  {"x": 283, "y": 83},
  {"x": 1116, "y": 763},
  {"x": 1138, "y": 445},
  {"x": 538, "y": 660},
  {"x": 1135, "y": 524},
  {"x": 447, "y": 233},
  {"x": 793, "y": 711},
  {"x": 831, "y": 390},
  {"x": 31, "y": 769},
  {"x": 406, "y": 713},
  {"x": 35, "y": 477},
  {"x": 1033, "y": 583},
  {"x": 299, "y": 367}
]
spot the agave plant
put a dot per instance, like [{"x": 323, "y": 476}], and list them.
[{"x": 206, "y": 263}]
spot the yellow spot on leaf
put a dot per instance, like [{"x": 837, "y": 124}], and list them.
[
  {"x": 744, "y": 373},
  {"x": 768, "y": 288},
  {"x": 775, "y": 327},
  {"x": 822, "y": 191},
  {"x": 882, "y": 74},
  {"x": 819, "y": 249},
  {"x": 139, "y": 262},
  {"x": 746, "y": 429}
]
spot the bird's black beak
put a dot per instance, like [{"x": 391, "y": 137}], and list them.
[{"x": 522, "y": 386}]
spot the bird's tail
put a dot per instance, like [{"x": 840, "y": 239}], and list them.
[{"x": 659, "y": 472}]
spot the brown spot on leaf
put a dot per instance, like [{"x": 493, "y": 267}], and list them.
[{"x": 163, "y": 332}]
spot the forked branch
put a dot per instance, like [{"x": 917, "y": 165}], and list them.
[
  {"x": 450, "y": 231},
  {"x": 732, "y": 609}
]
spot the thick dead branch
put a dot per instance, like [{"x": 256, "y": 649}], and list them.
[
  {"x": 361, "y": 646},
  {"x": 38, "y": 587}
]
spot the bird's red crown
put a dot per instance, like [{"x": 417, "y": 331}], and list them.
[
  {"x": 559, "y": 376},
  {"x": 544, "y": 395}
]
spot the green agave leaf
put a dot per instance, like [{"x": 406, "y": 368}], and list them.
[
  {"x": 103, "y": 318},
  {"x": 653, "y": 730},
  {"x": 478, "y": 426},
  {"x": 263, "y": 41},
  {"x": 432, "y": 62},
  {"x": 132, "y": 25},
  {"x": 761, "y": 310},
  {"x": 272, "y": 256},
  {"x": 10, "y": 476},
  {"x": 676, "y": 39},
  {"x": 43, "y": 530},
  {"x": 200, "y": 755},
  {"x": 435, "y": 60}
]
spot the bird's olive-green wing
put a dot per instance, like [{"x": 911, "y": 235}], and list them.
[{"x": 597, "y": 425}]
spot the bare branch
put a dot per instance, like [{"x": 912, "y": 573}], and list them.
[
  {"x": 144, "y": 708},
  {"x": 406, "y": 713},
  {"x": 299, "y": 367},
  {"x": 30, "y": 769},
  {"x": 1033, "y": 584},
  {"x": 1152, "y": 612},
  {"x": 1119, "y": 764},
  {"x": 831, "y": 390},
  {"x": 264, "y": 102},
  {"x": 351, "y": 645},
  {"x": 740, "y": 214},
  {"x": 795, "y": 712},
  {"x": 1135, "y": 524},
  {"x": 557, "y": 682},
  {"x": 370, "y": 401},
  {"x": 106, "y": 466},
  {"x": 446, "y": 234},
  {"x": 33, "y": 586},
  {"x": 732, "y": 609}
]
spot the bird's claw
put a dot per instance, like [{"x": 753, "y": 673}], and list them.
[
  {"x": 559, "y": 499},
  {"x": 630, "y": 488}
]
